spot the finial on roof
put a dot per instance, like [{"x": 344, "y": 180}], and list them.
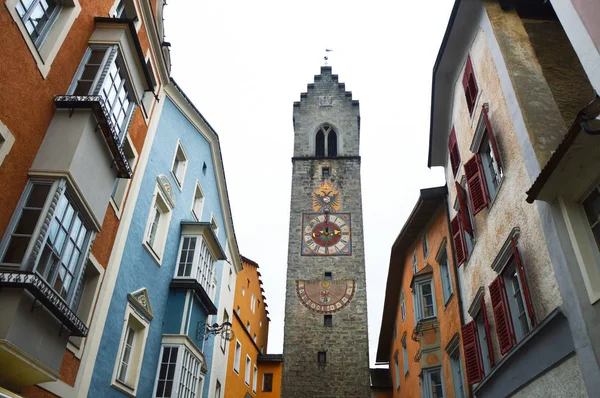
[{"x": 326, "y": 57}]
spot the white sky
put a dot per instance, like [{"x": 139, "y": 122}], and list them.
[{"x": 244, "y": 63}]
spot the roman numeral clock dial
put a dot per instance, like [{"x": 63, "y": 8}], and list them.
[{"x": 325, "y": 234}]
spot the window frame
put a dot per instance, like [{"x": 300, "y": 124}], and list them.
[
  {"x": 403, "y": 305},
  {"x": 186, "y": 359},
  {"x": 419, "y": 300},
  {"x": 425, "y": 245},
  {"x": 445, "y": 275},
  {"x": 159, "y": 201},
  {"x": 397, "y": 370},
  {"x": 58, "y": 190},
  {"x": 458, "y": 381},
  {"x": 237, "y": 357},
  {"x": 202, "y": 267},
  {"x": 247, "y": 370},
  {"x": 141, "y": 327},
  {"x": 415, "y": 262},
  {"x": 197, "y": 215},
  {"x": 470, "y": 96},
  {"x": 181, "y": 160},
  {"x": 121, "y": 187},
  {"x": 46, "y": 52},
  {"x": 254, "y": 378},
  {"x": 404, "y": 354},
  {"x": 264, "y": 382},
  {"x": 112, "y": 56},
  {"x": 427, "y": 387}
]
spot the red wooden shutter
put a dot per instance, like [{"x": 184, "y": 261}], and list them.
[
  {"x": 464, "y": 209},
  {"x": 493, "y": 143},
  {"x": 472, "y": 353},
  {"x": 470, "y": 85},
  {"x": 523, "y": 280},
  {"x": 504, "y": 328},
  {"x": 459, "y": 241},
  {"x": 476, "y": 182},
  {"x": 453, "y": 150},
  {"x": 488, "y": 335}
]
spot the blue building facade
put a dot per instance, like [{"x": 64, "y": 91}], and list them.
[{"x": 176, "y": 257}]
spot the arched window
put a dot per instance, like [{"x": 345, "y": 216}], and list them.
[
  {"x": 331, "y": 143},
  {"x": 331, "y": 148},
  {"x": 320, "y": 144}
]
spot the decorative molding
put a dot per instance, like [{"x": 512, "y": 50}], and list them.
[
  {"x": 506, "y": 251},
  {"x": 476, "y": 303},
  {"x": 326, "y": 100},
  {"x": 141, "y": 301},
  {"x": 167, "y": 190},
  {"x": 479, "y": 131},
  {"x": 453, "y": 344}
]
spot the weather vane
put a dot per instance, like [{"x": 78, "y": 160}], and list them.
[{"x": 326, "y": 57}]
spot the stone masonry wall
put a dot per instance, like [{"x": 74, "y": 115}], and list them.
[{"x": 346, "y": 373}]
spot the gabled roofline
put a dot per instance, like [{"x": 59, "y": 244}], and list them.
[
  {"x": 189, "y": 110},
  {"x": 430, "y": 200}
]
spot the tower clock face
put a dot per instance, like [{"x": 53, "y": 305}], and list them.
[{"x": 326, "y": 234}]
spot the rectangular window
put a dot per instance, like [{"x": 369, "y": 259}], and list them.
[
  {"x": 254, "y": 379},
  {"x": 322, "y": 357},
  {"x": 425, "y": 246},
  {"x": 267, "y": 382},
  {"x": 38, "y": 17},
  {"x": 328, "y": 276},
  {"x": 248, "y": 326},
  {"x": 433, "y": 386},
  {"x": 126, "y": 355},
  {"x": 415, "y": 264},
  {"x": 328, "y": 320},
  {"x": 425, "y": 304},
  {"x": 65, "y": 243},
  {"x": 166, "y": 372},
  {"x": 248, "y": 370},
  {"x": 445, "y": 274},
  {"x": 470, "y": 85},
  {"x": 453, "y": 152},
  {"x": 483, "y": 341},
  {"x": 103, "y": 72},
  {"x": 237, "y": 358},
  {"x": 325, "y": 172},
  {"x": 516, "y": 303},
  {"x": 158, "y": 224},
  {"x": 404, "y": 354},
  {"x": 591, "y": 207},
  {"x": 397, "y": 370},
  {"x": 196, "y": 261},
  {"x": 457, "y": 376},
  {"x": 198, "y": 203},
  {"x": 218, "y": 390},
  {"x": 403, "y": 306},
  {"x": 490, "y": 155},
  {"x": 253, "y": 303},
  {"x": 179, "y": 165}
]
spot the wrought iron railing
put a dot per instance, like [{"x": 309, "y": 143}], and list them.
[
  {"x": 98, "y": 107},
  {"x": 44, "y": 293}
]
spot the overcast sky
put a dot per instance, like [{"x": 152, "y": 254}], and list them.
[{"x": 244, "y": 63}]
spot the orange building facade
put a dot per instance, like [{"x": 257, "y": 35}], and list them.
[
  {"x": 251, "y": 371},
  {"x": 81, "y": 84},
  {"x": 421, "y": 327}
]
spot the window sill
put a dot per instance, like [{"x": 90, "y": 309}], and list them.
[
  {"x": 236, "y": 371},
  {"x": 448, "y": 301},
  {"x": 124, "y": 388},
  {"x": 115, "y": 208},
  {"x": 153, "y": 254},
  {"x": 177, "y": 183}
]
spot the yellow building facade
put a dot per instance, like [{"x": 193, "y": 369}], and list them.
[{"x": 251, "y": 371}]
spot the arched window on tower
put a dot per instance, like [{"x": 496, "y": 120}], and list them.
[
  {"x": 331, "y": 143},
  {"x": 320, "y": 144}
]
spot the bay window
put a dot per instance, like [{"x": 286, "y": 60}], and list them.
[
  {"x": 424, "y": 299},
  {"x": 50, "y": 236},
  {"x": 179, "y": 373},
  {"x": 103, "y": 73},
  {"x": 196, "y": 261}
]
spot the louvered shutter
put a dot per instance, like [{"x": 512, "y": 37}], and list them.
[
  {"x": 523, "y": 281},
  {"x": 453, "y": 151},
  {"x": 504, "y": 328},
  {"x": 464, "y": 209},
  {"x": 493, "y": 143},
  {"x": 488, "y": 335},
  {"x": 459, "y": 240},
  {"x": 472, "y": 353},
  {"x": 476, "y": 182},
  {"x": 465, "y": 82}
]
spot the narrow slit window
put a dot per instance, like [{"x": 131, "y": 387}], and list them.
[{"x": 328, "y": 320}]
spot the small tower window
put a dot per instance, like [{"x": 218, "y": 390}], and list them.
[
  {"x": 325, "y": 172},
  {"x": 322, "y": 357},
  {"x": 320, "y": 152},
  {"x": 328, "y": 320},
  {"x": 327, "y": 276},
  {"x": 332, "y": 143}
]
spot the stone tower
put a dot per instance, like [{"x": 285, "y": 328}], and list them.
[{"x": 326, "y": 353}]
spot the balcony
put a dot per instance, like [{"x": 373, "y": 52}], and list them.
[{"x": 35, "y": 326}]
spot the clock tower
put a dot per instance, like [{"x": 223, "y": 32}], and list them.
[{"x": 326, "y": 351}]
